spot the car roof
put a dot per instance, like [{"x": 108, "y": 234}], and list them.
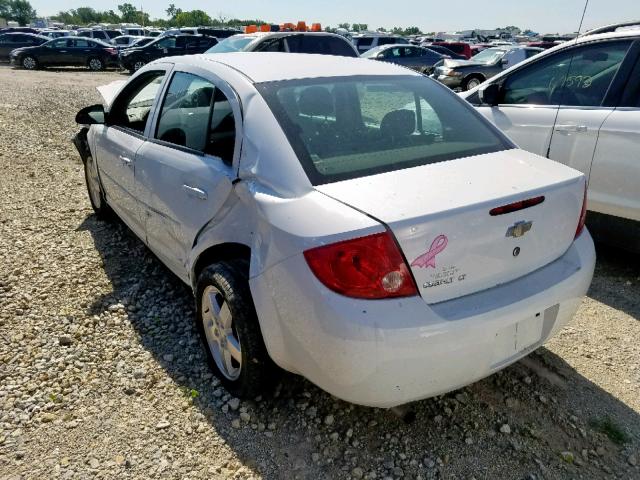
[
  {"x": 274, "y": 66},
  {"x": 284, "y": 34}
]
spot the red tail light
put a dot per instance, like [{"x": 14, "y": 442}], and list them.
[
  {"x": 111, "y": 51},
  {"x": 583, "y": 214},
  {"x": 365, "y": 267}
]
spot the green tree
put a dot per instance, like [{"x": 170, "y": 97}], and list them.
[
  {"x": 21, "y": 11},
  {"x": 412, "y": 31},
  {"x": 346, "y": 26},
  {"x": 171, "y": 10},
  {"x": 128, "y": 13},
  {"x": 193, "y": 18},
  {"x": 4, "y": 9}
]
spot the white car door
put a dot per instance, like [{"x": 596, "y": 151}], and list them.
[
  {"x": 585, "y": 105},
  {"x": 119, "y": 141},
  {"x": 554, "y": 106},
  {"x": 615, "y": 171},
  {"x": 185, "y": 172}
]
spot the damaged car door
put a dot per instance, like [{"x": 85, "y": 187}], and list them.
[
  {"x": 184, "y": 172},
  {"x": 118, "y": 144}
]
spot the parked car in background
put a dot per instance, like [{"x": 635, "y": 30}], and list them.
[
  {"x": 468, "y": 74},
  {"x": 56, "y": 33},
  {"x": 443, "y": 51},
  {"x": 412, "y": 56},
  {"x": 141, "y": 42},
  {"x": 34, "y": 31},
  {"x": 99, "y": 34},
  {"x": 136, "y": 31},
  {"x": 291, "y": 42},
  {"x": 124, "y": 41},
  {"x": 461, "y": 48},
  {"x": 11, "y": 41},
  {"x": 579, "y": 104},
  {"x": 376, "y": 249},
  {"x": 67, "y": 52},
  {"x": 211, "y": 32},
  {"x": 367, "y": 42},
  {"x": 135, "y": 57}
]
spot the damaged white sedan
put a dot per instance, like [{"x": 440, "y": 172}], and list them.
[{"x": 350, "y": 221}]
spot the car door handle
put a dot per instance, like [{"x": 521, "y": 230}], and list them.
[
  {"x": 571, "y": 128},
  {"x": 62, "y": 51},
  {"x": 195, "y": 192},
  {"x": 125, "y": 160}
]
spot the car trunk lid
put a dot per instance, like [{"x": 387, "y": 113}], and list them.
[{"x": 440, "y": 216}]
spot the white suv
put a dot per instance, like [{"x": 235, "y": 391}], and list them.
[{"x": 579, "y": 104}]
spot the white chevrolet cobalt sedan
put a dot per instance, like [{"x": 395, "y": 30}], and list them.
[{"x": 350, "y": 221}]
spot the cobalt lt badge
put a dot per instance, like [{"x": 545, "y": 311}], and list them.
[{"x": 518, "y": 229}]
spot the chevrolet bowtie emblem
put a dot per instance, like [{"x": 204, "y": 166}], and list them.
[{"x": 518, "y": 229}]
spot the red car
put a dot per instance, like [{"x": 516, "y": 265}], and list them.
[{"x": 461, "y": 48}]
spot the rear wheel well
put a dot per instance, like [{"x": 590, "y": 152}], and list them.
[{"x": 223, "y": 251}]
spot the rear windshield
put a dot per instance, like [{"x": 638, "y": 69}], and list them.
[{"x": 349, "y": 127}]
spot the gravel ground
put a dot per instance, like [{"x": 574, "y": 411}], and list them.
[{"x": 102, "y": 375}]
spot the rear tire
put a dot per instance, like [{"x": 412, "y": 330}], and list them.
[
  {"x": 94, "y": 189},
  {"x": 95, "y": 64},
  {"x": 29, "y": 63},
  {"x": 230, "y": 331}
]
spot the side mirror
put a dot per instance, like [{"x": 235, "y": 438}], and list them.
[
  {"x": 490, "y": 94},
  {"x": 93, "y": 115}
]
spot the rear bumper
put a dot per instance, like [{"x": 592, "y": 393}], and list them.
[{"x": 389, "y": 352}]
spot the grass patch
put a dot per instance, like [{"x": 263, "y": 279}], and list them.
[{"x": 612, "y": 430}]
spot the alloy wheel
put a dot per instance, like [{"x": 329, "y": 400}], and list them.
[
  {"x": 29, "y": 63},
  {"x": 95, "y": 64},
  {"x": 222, "y": 337}
]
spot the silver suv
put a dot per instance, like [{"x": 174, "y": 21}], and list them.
[{"x": 579, "y": 104}]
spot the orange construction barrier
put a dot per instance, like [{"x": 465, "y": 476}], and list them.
[
  {"x": 265, "y": 28},
  {"x": 302, "y": 26},
  {"x": 251, "y": 29},
  {"x": 316, "y": 27}
]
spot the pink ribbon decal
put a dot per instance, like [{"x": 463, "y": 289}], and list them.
[{"x": 428, "y": 259}]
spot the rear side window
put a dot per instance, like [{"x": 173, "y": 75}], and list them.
[
  {"x": 575, "y": 77},
  {"x": 349, "y": 127},
  {"x": 364, "y": 41},
  {"x": 197, "y": 115},
  {"x": 320, "y": 44},
  {"x": 84, "y": 34},
  {"x": 185, "y": 112},
  {"x": 386, "y": 41}
]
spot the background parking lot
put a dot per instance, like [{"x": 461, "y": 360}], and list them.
[{"x": 102, "y": 374}]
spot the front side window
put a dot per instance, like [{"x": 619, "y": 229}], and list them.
[
  {"x": 349, "y": 127},
  {"x": 168, "y": 42},
  {"x": 131, "y": 108},
  {"x": 80, "y": 43},
  {"x": 271, "y": 45},
  {"x": 231, "y": 44},
  {"x": 61, "y": 43},
  {"x": 576, "y": 77}
]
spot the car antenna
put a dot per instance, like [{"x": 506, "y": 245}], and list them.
[{"x": 584, "y": 11}]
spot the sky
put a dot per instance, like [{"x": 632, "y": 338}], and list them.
[{"x": 543, "y": 16}]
